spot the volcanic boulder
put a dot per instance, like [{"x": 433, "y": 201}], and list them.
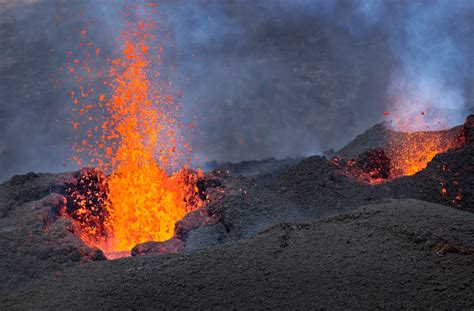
[{"x": 173, "y": 245}]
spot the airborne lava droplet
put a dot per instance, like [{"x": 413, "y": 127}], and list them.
[{"x": 137, "y": 143}]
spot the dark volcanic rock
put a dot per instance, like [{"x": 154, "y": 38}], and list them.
[
  {"x": 238, "y": 209},
  {"x": 469, "y": 129},
  {"x": 448, "y": 179},
  {"x": 316, "y": 184},
  {"x": 191, "y": 221},
  {"x": 375, "y": 137},
  {"x": 34, "y": 239},
  {"x": 30, "y": 187},
  {"x": 172, "y": 246},
  {"x": 400, "y": 254},
  {"x": 261, "y": 171},
  {"x": 34, "y": 242}
]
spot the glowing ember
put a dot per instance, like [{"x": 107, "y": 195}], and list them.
[
  {"x": 411, "y": 151},
  {"x": 137, "y": 142},
  {"x": 416, "y": 151},
  {"x": 86, "y": 205}
]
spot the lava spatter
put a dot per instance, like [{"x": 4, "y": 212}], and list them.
[{"x": 133, "y": 136}]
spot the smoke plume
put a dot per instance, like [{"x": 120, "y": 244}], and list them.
[{"x": 265, "y": 78}]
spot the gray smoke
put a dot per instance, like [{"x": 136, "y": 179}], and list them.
[{"x": 260, "y": 78}]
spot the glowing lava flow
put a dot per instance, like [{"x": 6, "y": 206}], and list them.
[{"x": 138, "y": 145}]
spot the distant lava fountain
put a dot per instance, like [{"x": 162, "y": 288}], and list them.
[
  {"x": 403, "y": 152},
  {"x": 136, "y": 142},
  {"x": 410, "y": 150}
]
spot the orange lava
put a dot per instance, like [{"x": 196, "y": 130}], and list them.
[
  {"x": 133, "y": 135},
  {"x": 409, "y": 147},
  {"x": 410, "y": 151},
  {"x": 416, "y": 151},
  {"x": 144, "y": 202}
]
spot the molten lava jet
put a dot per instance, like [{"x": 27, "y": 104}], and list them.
[{"x": 133, "y": 136}]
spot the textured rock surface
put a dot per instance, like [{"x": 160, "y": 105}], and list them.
[
  {"x": 34, "y": 240},
  {"x": 317, "y": 185},
  {"x": 241, "y": 209},
  {"x": 397, "y": 254}
]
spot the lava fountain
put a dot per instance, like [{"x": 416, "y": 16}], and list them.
[
  {"x": 136, "y": 142},
  {"x": 412, "y": 142},
  {"x": 400, "y": 150}
]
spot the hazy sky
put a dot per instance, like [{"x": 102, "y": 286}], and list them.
[{"x": 260, "y": 78}]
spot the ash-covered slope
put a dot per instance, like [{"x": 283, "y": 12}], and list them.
[
  {"x": 397, "y": 254},
  {"x": 34, "y": 240},
  {"x": 259, "y": 171},
  {"x": 316, "y": 184}
]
